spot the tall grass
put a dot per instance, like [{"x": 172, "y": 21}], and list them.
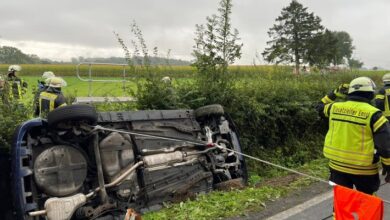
[
  {"x": 117, "y": 71},
  {"x": 98, "y": 70}
]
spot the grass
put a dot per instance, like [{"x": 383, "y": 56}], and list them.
[
  {"x": 77, "y": 87},
  {"x": 219, "y": 205},
  {"x": 99, "y": 70},
  {"x": 117, "y": 71}
]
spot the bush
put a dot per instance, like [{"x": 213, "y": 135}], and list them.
[
  {"x": 274, "y": 112},
  {"x": 11, "y": 115},
  {"x": 153, "y": 93}
]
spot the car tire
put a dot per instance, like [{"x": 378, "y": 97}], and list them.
[
  {"x": 79, "y": 112},
  {"x": 209, "y": 111}
]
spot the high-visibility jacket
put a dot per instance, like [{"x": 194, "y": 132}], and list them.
[
  {"x": 349, "y": 143},
  {"x": 382, "y": 100},
  {"x": 16, "y": 88},
  {"x": 48, "y": 101}
]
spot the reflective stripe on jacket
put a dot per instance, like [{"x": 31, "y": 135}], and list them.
[
  {"x": 16, "y": 87},
  {"x": 386, "y": 111},
  {"x": 47, "y": 102},
  {"x": 15, "y": 91},
  {"x": 382, "y": 100},
  {"x": 349, "y": 143}
]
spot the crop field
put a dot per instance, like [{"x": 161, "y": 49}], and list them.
[
  {"x": 244, "y": 74},
  {"x": 117, "y": 70},
  {"x": 31, "y": 74},
  {"x": 76, "y": 87}
]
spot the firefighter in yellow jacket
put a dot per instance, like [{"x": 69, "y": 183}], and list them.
[
  {"x": 52, "y": 98},
  {"x": 358, "y": 138},
  {"x": 382, "y": 99},
  {"x": 17, "y": 87}
]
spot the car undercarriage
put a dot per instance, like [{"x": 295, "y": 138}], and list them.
[{"x": 83, "y": 164}]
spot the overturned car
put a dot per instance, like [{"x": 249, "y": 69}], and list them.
[{"x": 81, "y": 164}]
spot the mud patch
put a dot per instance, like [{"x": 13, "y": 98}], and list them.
[{"x": 230, "y": 185}]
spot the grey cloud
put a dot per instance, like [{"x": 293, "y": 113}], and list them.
[{"x": 169, "y": 24}]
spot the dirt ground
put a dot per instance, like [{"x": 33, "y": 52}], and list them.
[{"x": 279, "y": 181}]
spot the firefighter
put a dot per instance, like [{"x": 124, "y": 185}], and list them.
[
  {"x": 338, "y": 93},
  {"x": 42, "y": 86},
  {"x": 17, "y": 87},
  {"x": 383, "y": 96},
  {"x": 357, "y": 139},
  {"x": 42, "y": 83},
  {"x": 52, "y": 98}
]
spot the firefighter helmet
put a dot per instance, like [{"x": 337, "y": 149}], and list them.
[
  {"x": 14, "y": 68},
  {"x": 55, "y": 82},
  {"x": 361, "y": 84},
  {"x": 47, "y": 75},
  {"x": 386, "y": 78}
]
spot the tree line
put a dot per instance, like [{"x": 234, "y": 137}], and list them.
[
  {"x": 299, "y": 37},
  {"x": 13, "y": 55},
  {"x": 122, "y": 60}
]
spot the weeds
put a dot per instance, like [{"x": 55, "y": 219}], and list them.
[{"x": 219, "y": 205}]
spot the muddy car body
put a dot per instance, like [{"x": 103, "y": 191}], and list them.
[{"x": 79, "y": 164}]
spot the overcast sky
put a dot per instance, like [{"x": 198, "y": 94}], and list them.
[{"x": 60, "y": 30}]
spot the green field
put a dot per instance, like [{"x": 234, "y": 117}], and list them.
[
  {"x": 117, "y": 71},
  {"x": 99, "y": 70},
  {"x": 76, "y": 87}
]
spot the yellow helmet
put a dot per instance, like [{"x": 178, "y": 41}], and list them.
[
  {"x": 361, "y": 84},
  {"x": 386, "y": 78},
  {"x": 55, "y": 82}
]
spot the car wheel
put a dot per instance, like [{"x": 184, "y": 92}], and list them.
[
  {"x": 68, "y": 113},
  {"x": 209, "y": 110}
]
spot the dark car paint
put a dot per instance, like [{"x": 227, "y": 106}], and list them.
[{"x": 19, "y": 172}]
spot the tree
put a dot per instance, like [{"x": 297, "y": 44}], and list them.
[
  {"x": 343, "y": 47},
  {"x": 291, "y": 35},
  {"x": 354, "y": 63},
  {"x": 330, "y": 47},
  {"x": 321, "y": 49},
  {"x": 11, "y": 55},
  {"x": 216, "y": 44}
]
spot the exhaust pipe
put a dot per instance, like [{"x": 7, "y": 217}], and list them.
[{"x": 61, "y": 208}]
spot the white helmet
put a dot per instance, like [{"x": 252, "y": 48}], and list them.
[
  {"x": 166, "y": 79},
  {"x": 47, "y": 75},
  {"x": 361, "y": 84},
  {"x": 386, "y": 78},
  {"x": 15, "y": 68},
  {"x": 56, "y": 82}
]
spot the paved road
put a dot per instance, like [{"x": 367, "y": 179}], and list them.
[
  {"x": 320, "y": 207},
  {"x": 312, "y": 203}
]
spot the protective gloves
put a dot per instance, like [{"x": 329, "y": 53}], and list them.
[
  {"x": 386, "y": 172},
  {"x": 342, "y": 90}
]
